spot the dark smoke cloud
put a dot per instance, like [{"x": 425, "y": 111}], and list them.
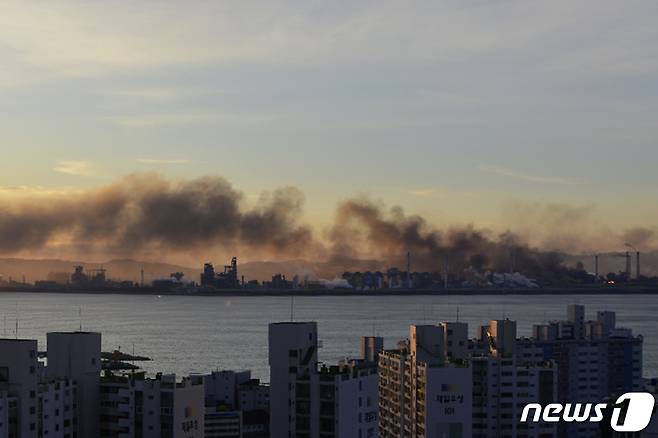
[
  {"x": 363, "y": 228},
  {"x": 146, "y": 215},
  {"x": 639, "y": 237},
  {"x": 145, "y": 211}
]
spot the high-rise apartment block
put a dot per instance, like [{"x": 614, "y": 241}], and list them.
[
  {"x": 505, "y": 379},
  {"x": 594, "y": 358},
  {"x": 423, "y": 392},
  {"x": 310, "y": 402}
]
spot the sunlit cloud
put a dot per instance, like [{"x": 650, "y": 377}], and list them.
[
  {"x": 192, "y": 118},
  {"x": 160, "y": 94},
  {"x": 163, "y": 161},
  {"x": 501, "y": 171},
  {"x": 22, "y": 191},
  {"x": 75, "y": 167},
  {"x": 424, "y": 193},
  {"x": 430, "y": 192}
]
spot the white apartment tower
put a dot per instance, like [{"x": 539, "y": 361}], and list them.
[
  {"x": 338, "y": 401},
  {"x": 293, "y": 357},
  {"x": 77, "y": 356},
  {"x": 455, "y": 336},
  {"x": 506, "y": 377},
  {"x": 423, "y": 392},
  {"x": 133, "y": 406},
  {"x": 18, "y": 383}
]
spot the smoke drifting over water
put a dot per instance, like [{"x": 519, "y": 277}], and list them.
[
  {"x": 365, "y": 229},
  {"x": 144, "y": 212},
  {"x": 148, "y": 215}
]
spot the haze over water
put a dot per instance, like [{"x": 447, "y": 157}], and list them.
[{"x": 200, "y": 334}]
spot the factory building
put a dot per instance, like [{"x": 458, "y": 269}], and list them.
[{"x": 228, "y": 279}]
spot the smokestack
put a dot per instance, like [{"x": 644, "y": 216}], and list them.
[
  {"x": 628, "y": 265},
  {"x": 445, "y": 272},
  {"x": 409, "y": 269},
  {"x": 637, "y": 264}
]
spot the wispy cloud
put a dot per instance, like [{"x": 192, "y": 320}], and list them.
[
  {"x": 423, "y": 193},
  {"x": 191, "y": 118},
  {"x": 501, "y": 171},
  {"x": 74, "y": 167},
  {"x": 76, "y": 38},
  {"x": 440, "y": 192},
  {"x": 26, "y": 190},
  {"x": 161, "y": 94},
  {"x": 163, "y": 161}
]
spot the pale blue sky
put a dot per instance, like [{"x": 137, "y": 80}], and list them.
[{"x": 453, "y": 109}]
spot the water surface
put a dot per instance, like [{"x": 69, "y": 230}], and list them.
[{"x": 199, "y": 334}]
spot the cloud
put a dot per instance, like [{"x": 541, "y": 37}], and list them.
[
  {"x": 640, "y": 237},
  {"x": 89, "y": 38},
  {"x": 191, "y": 118},
  {"x": 441, "y": 192},
  {"x": 161, "y": 161},
  {"x": 427, "y": 193},
  {"x": 501, "y": 171},
  {"x": 573, "y": 228},
  {"x": 27, "y": 190},
  {"x": 161, "y": 95},
  {"x": 75, "y": 167}
]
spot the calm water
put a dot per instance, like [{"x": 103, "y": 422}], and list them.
[{"x": 198, "y": 334}]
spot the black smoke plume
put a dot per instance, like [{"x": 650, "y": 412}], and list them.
[
  {"x": 145, "y": 211},
  {"x": 146, "y": 214},
  {"x": 365, "y": 229}
]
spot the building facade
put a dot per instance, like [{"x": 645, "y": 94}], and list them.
[{"x": 422, "y": 392}]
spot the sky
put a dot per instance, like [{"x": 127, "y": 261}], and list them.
[{"x": 501, "y": 114}]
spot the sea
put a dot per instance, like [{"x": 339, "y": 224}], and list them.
[{"x": 199, "y": 334}]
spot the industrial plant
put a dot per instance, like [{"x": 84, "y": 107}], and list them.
[{"x": 578, "y": 274}]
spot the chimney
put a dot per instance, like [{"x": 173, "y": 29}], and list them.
[
  {"x": 628, "y": 265},
  {"x": 409, "y": 270},
  {"x": 637, "y": 264}
]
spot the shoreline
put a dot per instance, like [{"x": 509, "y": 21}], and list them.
[{"x": 629, "y": 290}]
